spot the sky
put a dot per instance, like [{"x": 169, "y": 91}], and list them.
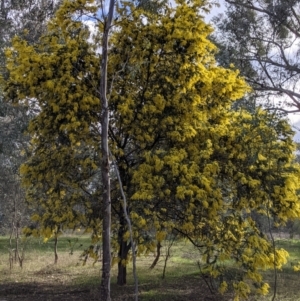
[{"x": 296, "y": 127}]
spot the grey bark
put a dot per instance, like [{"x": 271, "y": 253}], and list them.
[{"x": 105, "y": 167}]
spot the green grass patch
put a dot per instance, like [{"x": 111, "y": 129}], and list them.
[{"x": 183, "y": 280}]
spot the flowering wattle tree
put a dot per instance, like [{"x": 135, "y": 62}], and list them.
[{"x": 188, "y": 162}]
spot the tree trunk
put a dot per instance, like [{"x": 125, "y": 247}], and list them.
[
  {"x": 124, "y": 248},
  {"x": 122, "y": 267},
  {"x": 106, "y": 206},
  {"x": 105, "y": 166},
  {"x": 122, "y": 274},
  {"x": 55, "y": 250}
]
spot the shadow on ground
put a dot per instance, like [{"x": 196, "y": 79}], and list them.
[
  {"x": 189, "y": 289},
  {"x": 44, "y": 292}
]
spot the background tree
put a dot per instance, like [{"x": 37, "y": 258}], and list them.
[
  {"x": 267, "y": 55},
  {"x": 261, "y": 38},
  {"x": 26, "y": 19}
]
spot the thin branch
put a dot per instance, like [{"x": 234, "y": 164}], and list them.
[
  {"x": 295, "y": 15},
  {"x": 282, "y": 110},
  {"x": 168, "y": 256},
  {"x": 262, "y": 10},
  {"x": 274, "y": 63},
  {"x": 189, "y": 238},
  {"x": 136, "y": 293}
]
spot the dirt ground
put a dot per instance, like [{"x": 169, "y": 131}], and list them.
[{"x": 40, "y": 291}]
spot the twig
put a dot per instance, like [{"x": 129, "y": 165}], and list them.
[{"x": 168, "y": 256}]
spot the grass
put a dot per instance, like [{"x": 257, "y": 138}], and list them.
[
  {"x": 287, "y": 278},
  {"x": 39, "y": 259},
  {"x": 70, "y": 278}
]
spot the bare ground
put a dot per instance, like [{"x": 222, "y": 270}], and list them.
[{"x": 185, "y": 289}]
